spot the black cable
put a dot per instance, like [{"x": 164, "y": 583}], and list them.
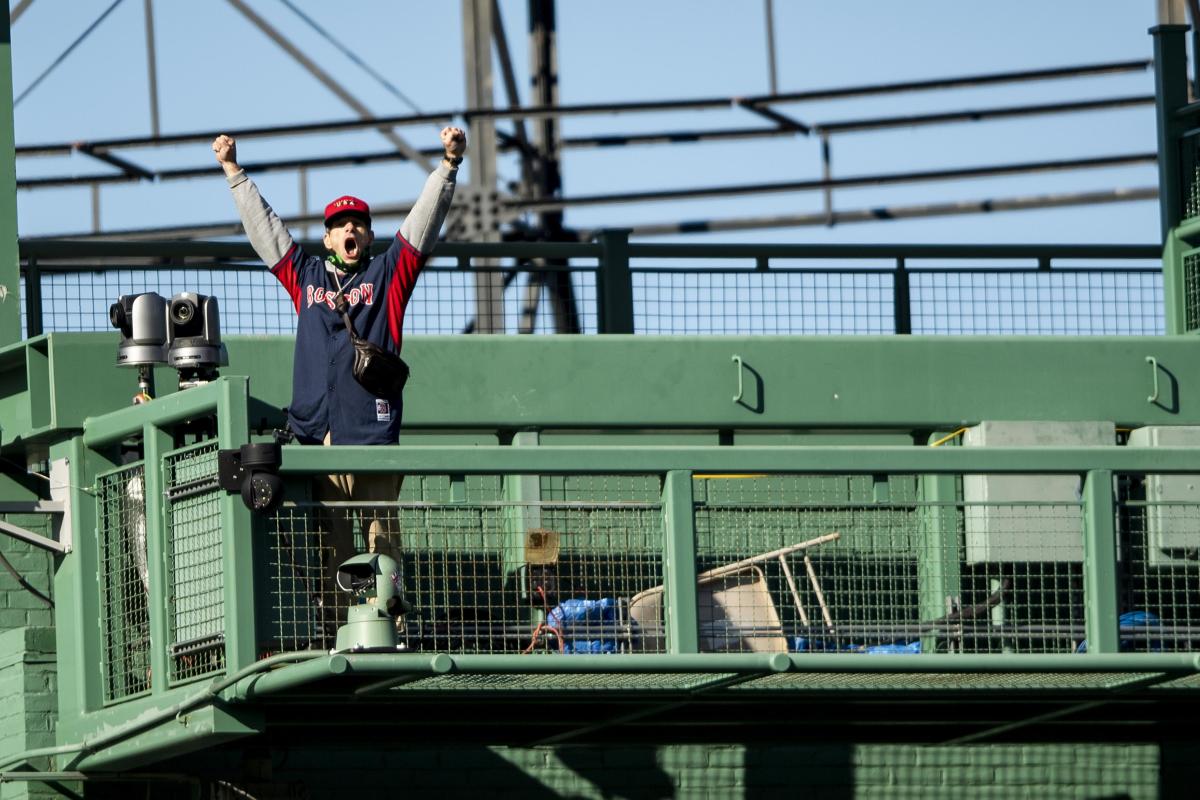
[
  {"x": 66, "y": 52},
  {"x": 350, "y": 54},
  {"x": 26, "y": 585}
]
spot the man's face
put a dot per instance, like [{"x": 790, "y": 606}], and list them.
[{"x": 349, "y": 238}]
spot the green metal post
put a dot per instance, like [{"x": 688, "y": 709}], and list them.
[
  {"x": 233, "y": 431},
  {"x": 679, "y": 563},
  {"x": 615, "y": 282},
  {"x": 901, "y": 299},
  {"x": 156, "y": 443},
  {"x": 1174, "y": 285},
  {"x": 1100, "y": 563},
  {"x": 520, "y": 518},
  {"x": 1170, "y": 90},
  {"x": 33, "y": 298},
  {"x": 10, "y": 270},
  {"x": 939, "y": 558}
]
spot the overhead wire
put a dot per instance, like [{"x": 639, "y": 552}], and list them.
[{"x": 63, "y": 56}]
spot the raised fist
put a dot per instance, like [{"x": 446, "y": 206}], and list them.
[
  {"x": 455, "y": 141},
  {"x": 226, "y": 149}
]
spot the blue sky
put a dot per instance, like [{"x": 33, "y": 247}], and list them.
[{"x": 217, "y": 71}]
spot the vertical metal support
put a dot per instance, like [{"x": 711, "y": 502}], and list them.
[
  {"x": 1174, "y": 286},
  {"x": 477, "y": 47},
  {"x": 233, "y": 430},
  {"x": 901, "y": 300},
  {"x": 679, "y": 563},
  {"x": 157, "y": 442},
  {"x": 1100, "y": 587},
  {"x": 151, "y": 67},
  {"x": 10, "y": 267},
  {"x": 827, "y": 176},
  {"x": 77, "y": 591},
  {"x": 547, "y": 166},
  {"x": 614, "y": 290},
  {"x": 526, "y": 492},
  {"x": 939, "y": 555},
  {"x": 95, "y": 208},
  {"x": 1171, "y": 92},
  {"x": 302, "y": 188},
  {"x": 769, "y": 12},
  {"x": 33, "y": 298}
]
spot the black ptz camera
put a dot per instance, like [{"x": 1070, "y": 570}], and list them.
[{"x": 253, "y": 471}]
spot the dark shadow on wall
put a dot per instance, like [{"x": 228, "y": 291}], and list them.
[
  {"x": 632, "y": 773},
  {"x": 1177, "y": 769},
  {"x": 825, "y": 772}
]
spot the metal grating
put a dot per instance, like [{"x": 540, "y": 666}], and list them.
[
  {"x": 124, "y": 582},
  {"x": 940, "y": 682},
  {"x": 839, "y": 299},
  {"x": 194, "y": 562},
  {"x": 444, "y": 300},
  {"x": 562, "y": 683},
  {"x": 483, "y": 577},
  {"x": 821, "y": 564},
  {"x": 711, "y": 301},
  {"x": 1077, "y": 303},
  {"x": 1159, "y": 570},
  {"x": 1191, "y": 291}
]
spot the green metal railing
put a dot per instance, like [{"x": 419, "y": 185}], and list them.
[
  {"x": 623, "y": 287},
  {"x": 626, "y": 568}
]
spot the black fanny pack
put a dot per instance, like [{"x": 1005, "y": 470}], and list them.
[{"x": 379, "y": 371}]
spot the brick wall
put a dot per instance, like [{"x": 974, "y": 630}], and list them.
[
  {"x": 28, "y": 700},
  {"x": 19, "y": 608},
  {"x": 1140, "y": 771}
]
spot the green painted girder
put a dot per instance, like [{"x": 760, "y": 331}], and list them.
[
  {"x": 850, "y": 459},
  {"x": 899, "y": 382},
  {"x": 51, "y": 384}
]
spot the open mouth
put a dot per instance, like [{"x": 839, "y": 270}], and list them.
[{"x": 351, "y": 246}]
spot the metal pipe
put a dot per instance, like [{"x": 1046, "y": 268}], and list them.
[
  {"x": 396, "y": 665},
  {"x": 64, "y": 248},
  {"x": 891, "y": 213},
  {"x": 769, "y": 14},
  {"x": 151, "y": 67},
  {"x": 597, "y": 109},
  {"x": 122, "y": 732},
  {"x": 878, "y": 179}
]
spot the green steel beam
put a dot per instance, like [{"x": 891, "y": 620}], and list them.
[
  {"x": 938, "y": 562},
  {"x": 880, "y": 383},
  {"x": 614, "y": 283},
  {"x": 1100, "y": 587},
  {"x": 216, "y": 398},
  {"x": 679, "y": 563},
  {"x": 156, "y": 443},
  {"x": 237, "y": 532},
  {"x": 608, "y": 460},
  {"x": 10, "y": 279},
  {"x": 1171, "y": 94}
]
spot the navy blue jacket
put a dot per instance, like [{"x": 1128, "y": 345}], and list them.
[{"x": 325, "y": 396}]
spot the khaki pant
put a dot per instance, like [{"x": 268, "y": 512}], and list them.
[{"x": 382, "y": 531}]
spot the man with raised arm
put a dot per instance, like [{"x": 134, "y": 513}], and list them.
[{"x": 328, "y": 404}]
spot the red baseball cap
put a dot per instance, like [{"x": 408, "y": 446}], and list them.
[{"x": 347, "y": 206}]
